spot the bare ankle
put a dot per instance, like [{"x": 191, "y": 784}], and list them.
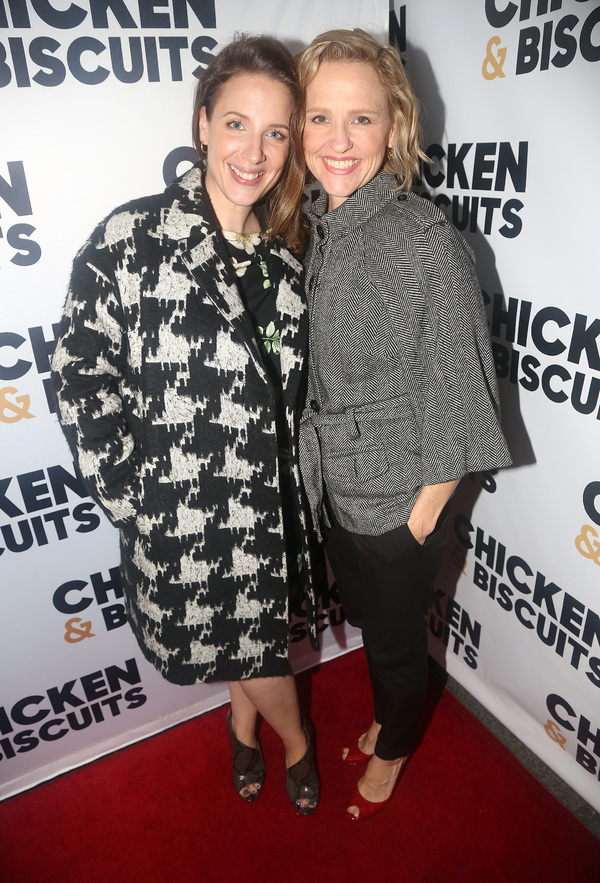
[
  {"x": 368, "y": 740},
  {"x": 295, "y": 751},
  {"x": 247, "y": 736}
]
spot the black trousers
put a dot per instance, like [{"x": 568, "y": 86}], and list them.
[{"x": 385, "y": 584}]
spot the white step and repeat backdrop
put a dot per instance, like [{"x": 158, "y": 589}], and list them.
[
  {"x": 95, "y": 102},
  {"x": 510, "y": 91}
]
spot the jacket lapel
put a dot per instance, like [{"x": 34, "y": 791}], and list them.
[
  {"x": 209, "y": 265},
  {"x": 205, "y": 256},
  {"x": 287, "y": 279},
  {"x": 206, "y": 259}
]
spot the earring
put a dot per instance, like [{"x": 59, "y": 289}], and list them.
[
  {"x": 390, "y": 153},
  {"x": 204, "y": 148}
]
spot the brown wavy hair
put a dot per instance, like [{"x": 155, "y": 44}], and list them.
[
  {"x": 266, "y": 56},
  {"x": 406, "y": 153}
]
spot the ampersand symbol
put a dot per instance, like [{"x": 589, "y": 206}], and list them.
[
  {"x": 76, "y": 630},
  {"x": 6, "y": 405},
  {"x": 587, "y": 547},
  {"x": 495, "y": 60},
  {"x": 553, "y": 732}
]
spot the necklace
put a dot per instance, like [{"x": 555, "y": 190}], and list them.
[{"x": 245, "y": 237}]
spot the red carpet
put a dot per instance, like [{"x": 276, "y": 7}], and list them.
[{"x": 165, "y": 810}]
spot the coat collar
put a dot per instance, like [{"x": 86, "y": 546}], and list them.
[
  {"x": 362, "y": 205},
  {"x": 189, "y": 218}
]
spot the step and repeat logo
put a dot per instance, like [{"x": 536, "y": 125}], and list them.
[
  {"x": 27, "y": 352},
  {"x": 483, "y": 174},
  {"x": 41, "y": 509},
  {"x": 478, "y": 185},
  {"x": 527, "y": 343},
  {"x": 543, "y": 35},
  {"x": 99, "y": 590},
  {"x": 579, "y": 728},
  {"x": 14, "y": 407},
  {"x": 16, "y": 236},
  {"x": 587, "y": 542},
  {"x": 20, "y": 247},
  {"x": 40, "y": 51},
  {"x": 449, "y": 622},
  {"x": 25, "y": 357},
  {"x": 55, "y": 712},
  {"x": 552, "y": 616}
]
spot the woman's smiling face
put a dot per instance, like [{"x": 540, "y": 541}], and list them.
[
  {"x": 248, "y": 140},
  {"x": 347, "y": 128}
]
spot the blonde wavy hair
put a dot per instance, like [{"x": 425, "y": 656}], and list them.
[{"x": 405, "y": 154}]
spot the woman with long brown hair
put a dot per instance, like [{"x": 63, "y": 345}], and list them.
[{"x": 178, "y": 369}]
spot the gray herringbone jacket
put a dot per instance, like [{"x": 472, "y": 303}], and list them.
[{"x": 402, "y": 384}]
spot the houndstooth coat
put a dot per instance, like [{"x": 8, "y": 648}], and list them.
[{"x": 169, "y": 412}]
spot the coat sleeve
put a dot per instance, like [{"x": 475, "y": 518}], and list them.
[
  {"x": 88, "y": 368},
  {"x": 449, "y": 365}
]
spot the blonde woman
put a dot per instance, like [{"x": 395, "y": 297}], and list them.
[{"x": 402, "y": 397}]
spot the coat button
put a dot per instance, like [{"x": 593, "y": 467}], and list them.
[
  {"x": 315, "y": 406},
  {"x": 320, "y": 231}
]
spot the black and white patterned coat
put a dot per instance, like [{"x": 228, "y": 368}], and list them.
[
  {"x": 402, "y": 383},
  {"x": 169, "y": 412}
]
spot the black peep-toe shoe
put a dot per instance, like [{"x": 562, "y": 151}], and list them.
[
  {"x": 302, "y": 779},
  {"x": 247, "y": 765}
]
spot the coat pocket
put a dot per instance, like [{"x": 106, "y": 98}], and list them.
[
  {"x": 354, "y": 457},
  {"x": 370, "y": 452}
]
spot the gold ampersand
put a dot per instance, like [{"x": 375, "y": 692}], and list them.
[
  {"x": 587, "y": 547},
  {"x": 7, "y": 405},
  {"x": 553, "y": 732},
  {"x": 495, "y": 60},
  {"x": 76, "y": 630}
]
